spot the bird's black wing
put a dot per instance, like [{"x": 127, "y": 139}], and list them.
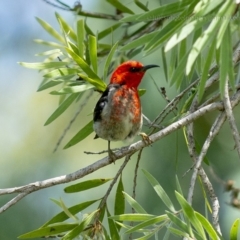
[{"x": 103, "y": 101}]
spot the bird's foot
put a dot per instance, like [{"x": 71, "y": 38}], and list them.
[
  {"x": 145, "y": 138},
  {"x": 112, "y": 156}
]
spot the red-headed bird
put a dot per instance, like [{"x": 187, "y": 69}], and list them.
[{"x": 118, "y": 112}]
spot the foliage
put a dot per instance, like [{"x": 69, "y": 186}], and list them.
[{"x": 196, "y": 40}]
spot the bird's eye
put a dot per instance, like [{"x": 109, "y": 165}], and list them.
[{"x": 134, "y": 69}]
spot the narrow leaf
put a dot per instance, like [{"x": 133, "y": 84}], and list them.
[
  {"x": 82, "y": 134},
  {"x": 118, "y": 5},
  {"x": 190, "y": 214},
  {"x": 119, "y": 205},
  {"x": 178, "y": 222},
  {"x": 164, "y": 11},
  {"x": 208, "y": 227},
  {"x": 139, "y": 41},
  {"x": 185, "y": 31},
  {"x": 136, "y": 217},
  {"x": 62, "y": 108},
  {"x": 159, "y": 190},
  {"x": 80, "y": 37},
  {"x": 50, "y": 30},
  {"x": 206, "y": 68},
  {"x": 109, "y": 59},
  {"x": 48, "y": 231},
  {"x": 134, "y": 204},
  {"x": 78, "y": 229},
  {"x": 109, "y": 30},
  {"x": 112, "y": 227},
  {"x": 66, "y": 28},
  {"x": 82, "y": 186},
  {"x": 147, "y": 223},
  {"x": 43, "y": 65},
  {"x": 92, "y": 43},
  {"x": 205, "y": 38},
  {"x": 234, "y": 230},
  {"x": 141, "y": 5},
  {"x": 224, "y": 60},
  {"x": 62, "y": 216},
  {"x": 49, "y": 85}
]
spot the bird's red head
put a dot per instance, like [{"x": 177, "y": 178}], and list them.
[{"x": 130, "y": 73}]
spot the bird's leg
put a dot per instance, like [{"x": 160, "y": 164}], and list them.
[
  {"x": 111, "y": 154},
  {"x": 145, "y": 138}
]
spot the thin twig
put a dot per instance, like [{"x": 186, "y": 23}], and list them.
[
  {"x": 103, "y": 202},
  {"x": 214, "y": 199},
  {"x": 212, "y": 133},
  {"x": 82, "y": 105},
  {"x": 231, "y": 119}
]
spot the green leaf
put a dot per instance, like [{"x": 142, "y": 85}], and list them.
[
  {"x": 66, "y": 28},
  {"x": 178, "y": 232},
  {"x": 62, "y": 216},
  {"x": 51, "y": 30},
  {"x": 49, "y": 85},
  {"x": 231, "y": 73},
  {"x": 68, "y": 213},
  {"x": 148, "y": 223},
  {"x": 99, "y": 84},
  {"x": 208, "y": 227},
  {"x": 206, "y": 37},
  {"x": 159, "y": 190},
  {"x": 164, "y": 11},
  {"x": 50, "y": 52},
  {"x": 112, "y": 227},
  {"x": 231, "y": 6},
  {"x": 118, "y": 5},
  {"x": 78, "y": 229},
  {"x": 141, "y": 5},
  {"x": 48, "y": 43},
  {"x": 74, "y": 89},
  {"x": 206, "y": 68},
  {"x": 62, "y": 108},
  {"x": 234, "y": 230},
  {"x": 185, "y": 32},
  {"x": 141, "y": 92},
  {"x": 134, "y": 204},
  {"x": 168, "y": 30},
  {"x": 109, "y": 59},
  {"x": 92, "y": 42},
  {"x": 203, "y": 8},
  {"x": 83, "y": 65},
  {"x": 61, "y": 72},
  {"x": 135, "y": 217},
  {"x": 223, "y": 64},
  {"x": 48, "y": 231},
  {"x": 139, "y": 41},
  {"x": 43, "y": 65},
  {"x": 179, "y": 189},
  {"x": 119, "y": 205},
  {"x": 178, "y": 222},
  {"x": 108, "y": 30},
  {"x": 82, "y": 134},
  {"x": 80, "y": 37},
  {"x": 82, "y": 186},
  {"x": 164, "y": 63},
  {"x": 190, "y": 214}
]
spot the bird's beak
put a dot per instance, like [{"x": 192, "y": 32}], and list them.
[{"x": 145, "y": 68}]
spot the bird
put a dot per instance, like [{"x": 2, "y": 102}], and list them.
[{"x": 118, "y": 113}]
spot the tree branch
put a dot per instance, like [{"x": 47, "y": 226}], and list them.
[
  {"x": 129, "y": 150},
  {"x": 231, "y": 119}
]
